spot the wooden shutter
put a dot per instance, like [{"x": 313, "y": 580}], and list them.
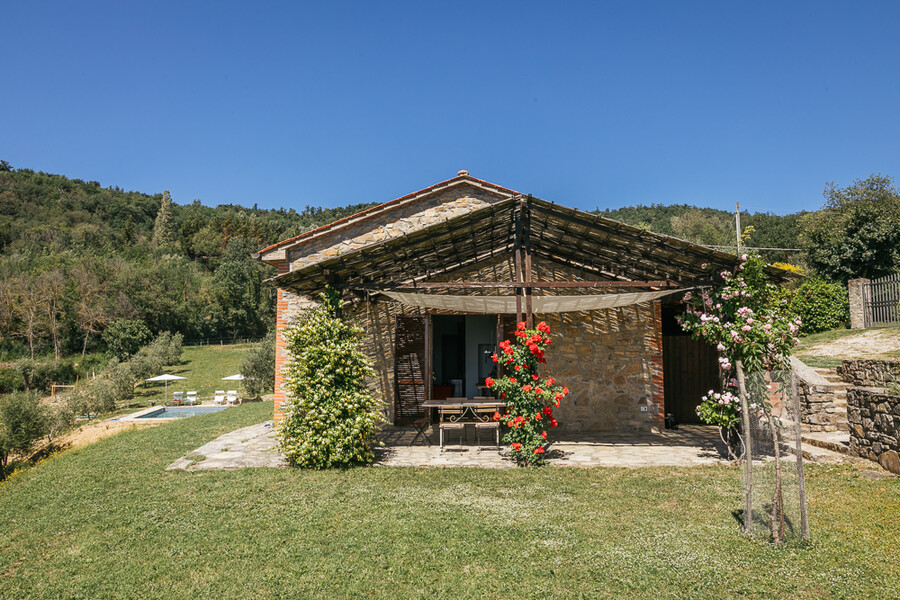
[{"x": 410, "y": 368}]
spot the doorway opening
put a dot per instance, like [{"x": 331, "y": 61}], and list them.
[{"x": 461, "y": 349}]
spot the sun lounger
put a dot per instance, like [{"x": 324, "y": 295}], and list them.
[
  {"x": 231, "y": 397},
  {"x": 192, "y": 398},
  {"x": 177, "y": 397},
  {"x": 219, "y": 397}
]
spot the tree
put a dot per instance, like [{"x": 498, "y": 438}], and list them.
[
  {"x": 258, "y": 367},
  {"x": 746, "y": 317},
  {"x": 27, "y": 307},
  {"x": 857, "y": 232},
  {"x": 23, "y": 420},
  {"x": 163, "y": 228},
  {"x": 90, "y": 306},
  {"x": 125, "y": 337},
  {"x": 331, "y": 416}
]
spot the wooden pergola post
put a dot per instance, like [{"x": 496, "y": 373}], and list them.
[{"x": 522, "y": 249}]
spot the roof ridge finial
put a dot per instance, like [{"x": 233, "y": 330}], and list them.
[{"x": 462, "y": 173}]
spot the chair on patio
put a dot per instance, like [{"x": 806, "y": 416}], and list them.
[
  {"x": 178, "y": 398},
  {"x": 219, "y": 397},
  {"x": 191, "y": 398},
  {"x": 484, "y": 419},
  {"x": 451, "y": 419}
]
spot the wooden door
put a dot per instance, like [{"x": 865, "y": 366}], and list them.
[
  {"x": 690, "y": 370},
  {"x": 410, "y": 368}
]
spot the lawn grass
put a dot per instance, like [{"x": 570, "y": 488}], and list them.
[
  {"x": 108, "y": 521},
  {"x": 204, "y": 367}
]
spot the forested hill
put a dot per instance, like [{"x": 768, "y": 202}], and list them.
[
  {"x": 75, "y": 256},
  {"x": 709, "y": 226}
]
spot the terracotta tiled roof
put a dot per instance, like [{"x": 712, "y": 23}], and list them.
[{"x": 462, "y": 177}]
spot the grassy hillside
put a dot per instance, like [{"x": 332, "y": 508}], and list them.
[{"x": 203, "y": 367}]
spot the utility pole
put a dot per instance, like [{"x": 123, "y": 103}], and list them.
[{"x": 737, "y": 224}]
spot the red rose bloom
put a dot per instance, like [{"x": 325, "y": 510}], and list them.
[
  {"x": 553, "y": 423},
  {"x": 538, "y": 450},
  {"x": 548, "y": 411},
  {"x": 494, "y": 357},
  {"x": 497, "y": 416},
  {"x": 489, "y": 382},
  {"x": 544, "y": 434},
  {"x": 550, "y": 381},
  {"x": 558, "y": 396},
  {"x": 526, "y": 388},
  {"x": 538, "y": 391},
  {"x": 537, "y": 417},
  {"x": 565, "y": 391},
  {"x": 535, "y": 377},
  {"x": 516, "y": 446},
  {"x": 521, "y": 326}
]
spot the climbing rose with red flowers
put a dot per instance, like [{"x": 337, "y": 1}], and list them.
[{"x": 528, "y": 399}]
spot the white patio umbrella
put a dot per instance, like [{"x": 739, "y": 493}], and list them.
[
  {"x": 167, "y": 378},
  {"x": 239, "y": 378}
]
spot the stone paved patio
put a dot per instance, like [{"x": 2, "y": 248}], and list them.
[{"x": 690, "y": 445}]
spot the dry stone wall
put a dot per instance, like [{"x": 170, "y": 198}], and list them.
[
  {"x": 870, "y": 372},
  {"x": 874, "y": 416}
]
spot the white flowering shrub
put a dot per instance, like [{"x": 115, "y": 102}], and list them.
[{"x": 330, "y": 417}]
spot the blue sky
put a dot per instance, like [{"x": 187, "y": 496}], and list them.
[{"x": 594, "y": 104}]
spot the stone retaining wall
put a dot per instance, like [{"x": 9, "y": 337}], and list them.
[
  {"x": 817, "y": 408},
  {"x": 874, "y": 416},
  {"x": 870, "y": 372}
]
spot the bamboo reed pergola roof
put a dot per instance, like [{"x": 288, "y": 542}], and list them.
[{"x": 618, "y": 255}]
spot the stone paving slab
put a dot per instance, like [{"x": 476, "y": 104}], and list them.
[{"x": 255, "y": 446}]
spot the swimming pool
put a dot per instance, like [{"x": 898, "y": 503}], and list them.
[{"x": 175, "y": 412}]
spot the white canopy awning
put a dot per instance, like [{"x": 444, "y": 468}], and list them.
[{"x": 540, "y": 304}]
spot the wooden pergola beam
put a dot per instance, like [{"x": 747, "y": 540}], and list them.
[{"x": 477, "y": 285}]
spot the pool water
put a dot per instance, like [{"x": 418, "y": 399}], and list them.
[{"x": 180, "y": 412}]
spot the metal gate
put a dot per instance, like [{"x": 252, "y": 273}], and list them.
[{"x": 881, "y": 298}]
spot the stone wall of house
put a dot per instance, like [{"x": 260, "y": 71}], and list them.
[
  {"x": 611, "y": 361},
  {"x": 441, "y": 206},
  {"x": 874, "y": 415},
  {"x": 855, "y": 292},
  {"x": 870, "y": 372}
]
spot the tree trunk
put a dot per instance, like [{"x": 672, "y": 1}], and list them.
[
  {"x": 795, "y": 398},
  {"x": 748, "y": 450},
  {"x": 777, "y": 516}
]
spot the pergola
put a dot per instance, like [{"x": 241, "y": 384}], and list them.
[{"x": 613, "y": 256}]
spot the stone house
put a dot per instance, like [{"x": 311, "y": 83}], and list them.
[{"x": 438, "y": 277}]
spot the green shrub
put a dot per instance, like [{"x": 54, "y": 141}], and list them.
[
  {"x": 822, "y": 305},
  {"x": 258, "y": 367},
  {"x": 40, "y": 374},
  {"x": 331, "y": 416},
  {"x": 124, "y": 337},
  {"x": 117, "y": 380},
  {"x": 23, "y": 420},
  {"x": 11, "y": 381}
]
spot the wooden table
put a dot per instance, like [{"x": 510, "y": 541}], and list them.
[{"x": 463, "y": 403}]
